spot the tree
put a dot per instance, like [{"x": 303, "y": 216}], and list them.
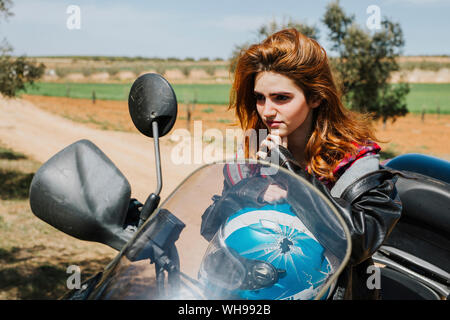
[
  {"x": 15, "y": 72},
  {"x": 365, "y": 62}
]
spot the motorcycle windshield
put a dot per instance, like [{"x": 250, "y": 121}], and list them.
[{"x": 265, "y": 234}]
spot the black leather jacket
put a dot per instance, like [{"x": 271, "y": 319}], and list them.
[{"x": 370, "y": 206}]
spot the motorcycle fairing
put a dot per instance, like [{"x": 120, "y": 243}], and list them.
[{"x": 128, "y": 278}]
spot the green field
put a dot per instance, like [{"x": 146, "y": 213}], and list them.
[
  {"x": 428, "y": 97},
  {"x": 425, "y": 96},
  {"x": 186, "y": 93}
]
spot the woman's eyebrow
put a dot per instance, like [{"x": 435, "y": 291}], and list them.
[
  {"x": 280, "y": 92},
  {"x": 275, "y": 93}
]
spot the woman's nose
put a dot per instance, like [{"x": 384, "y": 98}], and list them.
[{"x": 269, "y": 111}]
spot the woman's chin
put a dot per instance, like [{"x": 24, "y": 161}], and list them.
[{"x": 282, "y": 133}]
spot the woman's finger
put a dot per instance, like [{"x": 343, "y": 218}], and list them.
[
  {"x": 261, "y": 155},
  {"x": 267, "y": 143},
  {"x": 284, "y": 142},
  {"x": 274, "y": 193},
  {"x": 276, "y": 139}
]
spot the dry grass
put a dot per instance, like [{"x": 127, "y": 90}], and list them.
[
  {"x": 33, "y": 255},
  {"x": 114, "y": 115}
]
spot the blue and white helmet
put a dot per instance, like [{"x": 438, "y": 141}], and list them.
[{"x": 265, "y": 253}]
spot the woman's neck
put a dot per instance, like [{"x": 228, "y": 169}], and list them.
[
  {"x": 298, "y": 140},
  {"x": 298, "y": 151}
]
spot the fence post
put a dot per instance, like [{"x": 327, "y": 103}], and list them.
[{"x": 188, "y": 116}]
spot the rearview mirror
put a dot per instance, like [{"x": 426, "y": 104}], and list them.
[
  {"x": 153, "y": 108},
  {"x": 152, "y": 99},
  {"x": 82, "y": 193}
]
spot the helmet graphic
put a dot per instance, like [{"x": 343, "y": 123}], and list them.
[{"x": 265, "y": 253}]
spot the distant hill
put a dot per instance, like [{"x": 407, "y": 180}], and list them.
[{"x": 414, "y": 69}]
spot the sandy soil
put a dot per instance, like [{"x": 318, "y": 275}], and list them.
[
  {"x": 114, "y": 115},
  {"x": 411, "y": 134},
  {"x": 40, "y": 134}
]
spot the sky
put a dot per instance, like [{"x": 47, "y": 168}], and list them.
[{"x": 198, "y": 28}]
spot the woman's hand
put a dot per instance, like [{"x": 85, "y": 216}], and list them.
[
  {"x": 270, "y": 142},
  {"x": 274, "y": 193}
]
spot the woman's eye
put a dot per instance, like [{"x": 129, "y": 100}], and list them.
[
  {"x": 282, "y": 98},
  {"x": 259, "y": 97}
]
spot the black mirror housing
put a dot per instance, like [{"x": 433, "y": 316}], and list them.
[
  {"x": 152, "y": 99},
  {"x": 82, "y": 193}
]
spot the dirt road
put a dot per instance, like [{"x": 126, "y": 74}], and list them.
[{"x": 40, "y": 134}]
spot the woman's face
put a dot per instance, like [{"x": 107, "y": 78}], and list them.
[{"x": 281, "y": 104}]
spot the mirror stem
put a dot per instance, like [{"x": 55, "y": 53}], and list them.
[
  {"x": 157, "y": 157},
  {"x": 153, "y": 199}
]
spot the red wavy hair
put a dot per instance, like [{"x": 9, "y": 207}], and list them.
[{"x": 335, "y": 129}]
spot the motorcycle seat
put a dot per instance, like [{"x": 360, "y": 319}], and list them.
[
  {"x": 424, "y": 228},
  {"x": 419, "y": 163},
  {"x": 425, "y": 201},
  {"x": 425, "y": 197}
]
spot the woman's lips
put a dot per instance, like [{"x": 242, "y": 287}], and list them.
[{"x": 274, "y": 124}]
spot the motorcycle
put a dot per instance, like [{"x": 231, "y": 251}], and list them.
[
  {"x": 163, "y": 253},
  {"x": 416, "y": 255}
]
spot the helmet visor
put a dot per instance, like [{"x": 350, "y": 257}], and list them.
[{"x": 220, "y": 267}]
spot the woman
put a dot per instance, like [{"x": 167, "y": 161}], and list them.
[{"x": 285, "y": 85}]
